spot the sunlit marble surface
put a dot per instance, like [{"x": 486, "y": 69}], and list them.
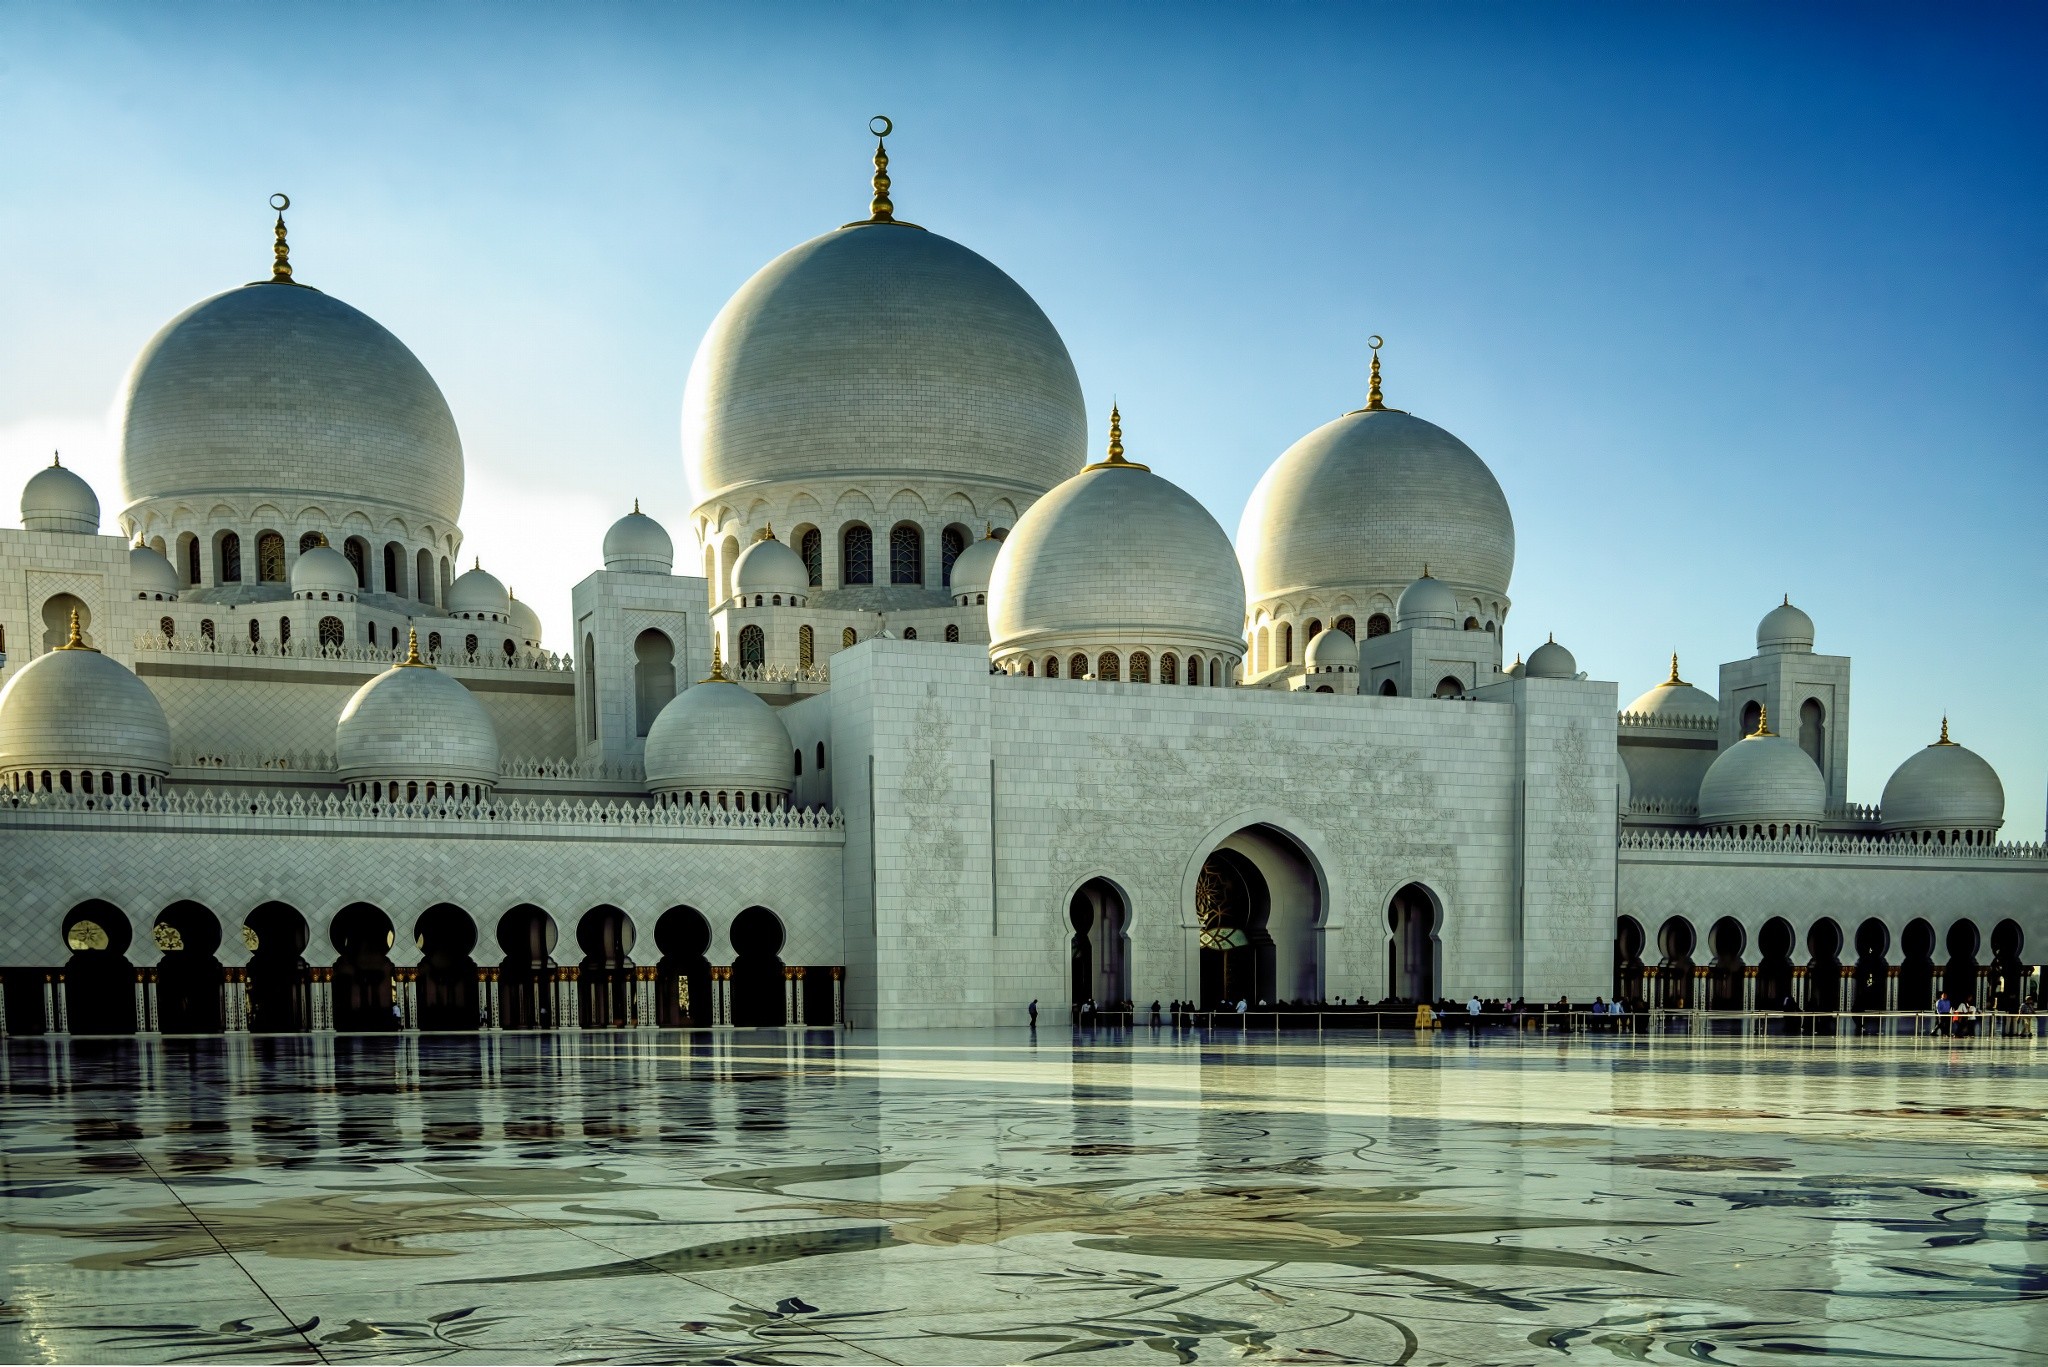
[{"x": 767, "y": 1198}]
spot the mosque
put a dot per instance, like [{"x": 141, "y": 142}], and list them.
[{"x": 936, "y": 716}]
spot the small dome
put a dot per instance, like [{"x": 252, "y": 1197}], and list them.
[
  {"x": 1426, "y": 603},
  {"x": 477, "y": 592},
  {"x": 1784, "y": 628},
  {"x": 1551, "y": 661},
  {"x": 717, "y": 736},
  {"x": 1675, "y": 699},
  {"x": 526, "y": 622},
  {"x": 415, "y": 722},
  {"x": 1945, "y": 787},
  {"x": 975, "y": 566},
  {"x": 151, "y": 575},
  {"x": 770, "y": 566},
  {"x": 1517, "y": 669},
  {"x": 1331, "y": 650},
  {"x": 1762, "y": 778},
  {"x": 637, "y": 544},
  {"x": 73, "y": 708},
  {"x": 56, "y": 500},
  {"x": 1116, "y": 557},
  {"x": 323, "y": 569}
]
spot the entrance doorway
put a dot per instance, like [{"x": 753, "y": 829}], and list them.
[
  {"x": 448, "y": 991},
  {"x": 526, "y": 935},
  {"x": 188, "y": 976},
  {"x": 362, "y": 969},
  {"x": 1414, "y": 947},
  {"x": 682, "y": 988},
  {"x": 604, "y": 984},
  {"x": 760, "y": 993},
  {"x": 1099, "y": 950},
  {"x": 280, "y": 1000},
  {"x": 99, "y": 982}
]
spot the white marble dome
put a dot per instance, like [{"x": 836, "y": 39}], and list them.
[
  {"x": 1763, "y": 779},
  {"x": 1945, "y": 787},
  {"x": 413, "y": 722},
  {"x": 525, "y": 621},
  {"x": 1363, "y": 502},
  {"x": 637, "y": 544},
  {"x": 477, "y": 593},
  {"x": 717, "y": 737},
  {"x": 769, "y": 566},
  {"x": 321, "y": 571},
  {"x": 279, "y": 391},
  {"x": 881, "y": 351},
  {"x": 1784, "y": 628},
  {"x": 151, "y": 576},
  {"x": 1116, "y": 559},
  {"x": 1675, "y": 700},
  {"x": 1428, "y": 602},
  {"x": 1551, "y": 661},
  {"x": 973, "y": 568},
  {"x": 1331, "y": 650},
  {"x": 74, "y": 709},
  {"x": 57, "y": 500}
]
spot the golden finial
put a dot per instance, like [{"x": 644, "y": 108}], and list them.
[
  {"x": 412, "y": 658},
  {"x": 767, "y": 532},
  {"x": 717, "y": 674},
  {"x": 322, "y": 536},
  {"x": 1788, "y": 600},
  {"x": 1374, "y": 401},
  {"x": 56, "y": 460},
  {"x": 1674, "y": 681},
  {"x": 1115, "y": 459},
  {"x": 636, "y": 507},
  {"x": 880, "y": 210},
  {"x": 1944, "y": 733},
  {"x": 1763, "y": 723},
  {"x": 988, "y": 531},
  {"x": 77, "y": 641},
  {"x": 281, "y": 268}
]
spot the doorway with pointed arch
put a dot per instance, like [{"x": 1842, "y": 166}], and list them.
[
  {"x": 1099, "y": 948},
  {"x": 1415, "y": 950},
  {"x": 1259, "y": 920}
]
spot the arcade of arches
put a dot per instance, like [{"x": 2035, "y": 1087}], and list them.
[
  {"x": 1822, "y": 968},
  {"x": 524, "y": 976}
]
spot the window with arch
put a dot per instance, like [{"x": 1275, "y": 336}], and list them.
[
  {"x": 1387, "y": 690},
  {"x": 1216, "y": 673},
  {"x": 1108, "y": 668},
  {"x": 510, "y": 647},
  {"x": 589, "y": 667},
  {"x": 753, "y": 646},
  {"x": 1141, "y": 667},
  {"x": 1169, "y": 669},
  {"x": 952, "y": 541},
  {"x": 370, "y": 633},
  {"x": 821, "y": 757},
  {"x": 394, "y": 568},
  {"x": 446, "y": 581},
  {"x": 1471, "y": 624},
  {"x": 1347, "y": 625},
  {"x": 284, "y": 631},
  {"x": 469, "y": 645},
  {"x": 433, "y": 643},
  {"x": 796, "y": 762},
  {"x": 1077, "y": 666},
  {"x": 330, "y": 631},
  {"x": 654, "y": 678},
  {"x": 806, "y": 647},
  {"x": 307, "y": 541},
  {"x": 1752, "y": 714},
  {"x": 811, "y": 546},
  {"x": 952, "y": 631},
  {"x": 848, "y": 637},
  {"x": 206, "y": 630},
  {"x": 1449, "y": 687},
  {"x": 1813, "y": 732},
  {"x": 1311, "y": 629},
  {"x": 1194, "y": 671},
  {"x": 189, "y": 545},
  {"x": 1490, "y": 628},
  {"x": 1262, "y": 648},
  {"x": 910, "y": 633},
  {"x": 358, "y": 552},
  {"x": 270, "y": 558},
  {"x": 906, "y": 554},
  {"x": 423, "y": 576},
  {"x": 1287, "y": 643},
  {"x": 1377, "y": 625},
  {"x": 1052, "y": 666},
  {"x": 857, "y": 555},
  {"x": 227, "y": 558}
]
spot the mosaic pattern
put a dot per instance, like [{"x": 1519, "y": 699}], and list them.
[{"x": 991, "y": 1198}]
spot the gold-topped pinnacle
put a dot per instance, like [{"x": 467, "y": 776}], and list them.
[
  {"x": 1763, "y": 724},
  {"x": 1375, "y": 402},
  {"x": 281, "y": 264},
  {"x": 636, "y": 507},
  {"x": 1944, "y": 733},
  {"x": 1674, "y": 681},
  {"x": 988, "y": 531},
  {"x": 881, "y": 209},
  {"x": 412, "y": 658},
  {"x": 56, "y": 460},
  {"x": 767, "y": 532},
  {"x": 717, "y": 674},
  {"x": 1115, "y": 459},
  {"x": 77, "y": 640}
]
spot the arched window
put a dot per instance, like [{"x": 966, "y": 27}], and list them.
[
  {"x": 1287, "y": 643},
  {"x": 906, "y": 554},
  {"x": 910, "y": 633},
  {"x": 753, "y": 646},
  {"x": 1194, "y": 671},
  {"x": 1141, "y": 668},
  {"x": 394, "y": 568},
  {"x": 796, "y": 762},
  {"x": 206, "y": 631},
  {"x": 423, "y": 576},
  {"x": 433, "y": 643},
  {"x": 1348, "y": 626},
  {"x": 1813, "y": 732},
  {"x": 358, "y": 552},
  {"x": 952, "y": 631},
  {"x": 856, "y": 555},
  {"x": 1387, "y": 690},
  {"x": 1107, "y": 667},
  {"x": 1449, "y": 687},
  {"x": 371, "y": 632},
  {"x": 811, "y": 546},
  {"x": 227, "y": 558},
  {"x": 510, "y": 647},
  {"x": 446, "y": 580},
  {"x": 167, "y": 627},
  {"x": 188, "y": 549},
  {"x": 1377, "y": 625},
  {"x": 469, "y": 645},
  {"x": 806, "y": 647},
  {"x": 307, "y": 541},
  {"x": 330, "y": 631},
  {"x": 1752, "y": 714},
  {"x": 1052, "y": 666},
  {"x": 270, "y": 558},
  {"x": 654, "y": 678},
  {"x": 952, "y": 541},
  {"x": 284, "y": 631},
  {"x": 821, "y": 757},
  {"x": 1216, "y": 673},
  {"x": 1077, "y": 666},
  {"x": 847, "y": 638},
  {"x": 589, "y": 664}
]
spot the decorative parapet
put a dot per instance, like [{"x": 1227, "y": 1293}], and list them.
[
  {"x": 819, "y": 674},
  {"x": 630, "y": 771},
  {"x": 301, "y": 761},
  {"x": 1866, "y": 846},
  {"x": 298, "y": 809},
  {"x": 1860, "y": 813},
  {"x": 322, "y": 764},
  {"x": 1645, "y": 721},
  {"x": 1662, "y": 806},
  {"x": 154, "y": 643}
]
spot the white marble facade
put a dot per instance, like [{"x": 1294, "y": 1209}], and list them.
[{"x": 1147, "y": 786}]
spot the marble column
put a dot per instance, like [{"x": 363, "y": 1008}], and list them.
[
  {"x": 489, "y": 991},
  {"x": 838, "y": 996},
  {"x": 1702, "y": 984},
  {"x": 645, "y": 1017},
  {"x": 3, "y": 1006},
  {"x": 54, "y": 1021},
  {"x": 793, "y": 984},
  {"x": 568, "y": 1015},
  {"x": 234, "y": 1002},
  {"x": 1891, "y": 987},
  {"x": 145, "y": 1001},
  {"x": 720, "y": 975},
  {"x": 321, "y": 993},
  {"x": 407, "y": 983},
  {"x": 1749, "y": 988},
  {"x": 1799, "y": 985}
]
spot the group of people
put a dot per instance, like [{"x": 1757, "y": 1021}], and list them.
[{"x": 1962, "y": 1019}]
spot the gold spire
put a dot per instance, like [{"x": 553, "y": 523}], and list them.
[
  {"x": 1425, "y": 569},
  {"x": 412, "y": 658},
  {"x": 1944, "y": 733},
  {"x": 1375, "y": 402},
  {"x": 1115, "y": 459},
  {"x": 767, "y": 532},
  {"x": 77, "y": 641},
  {"x": 881, "y": 209},
  {"x": 636, "y": 506},
  {"x": 1674, "y": 681},
  {"x": 322, "y": 536},
  {"x": 1763, "y": 724},
  {"x": 717, "y": 674},
  {"x": 281, "y": 267},
  {"x": 988, "y": 531},
  {"x": 56, "y": 460}
]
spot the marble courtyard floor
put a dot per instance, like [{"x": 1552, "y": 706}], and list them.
[{"x": 966, "y": 1197}]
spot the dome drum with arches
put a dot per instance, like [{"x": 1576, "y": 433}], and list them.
[
  {"x": 718, "y": 745},
  {"x": 73, "y": 720},
  {"x": 1763, "y": 785},
  {"x": 413, "y": 726},
  {"x": 1946, "y": 792}
]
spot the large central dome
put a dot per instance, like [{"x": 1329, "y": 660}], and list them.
[
  {"x": 881, "y": 351},
  {"x": 278, "y": 390}
]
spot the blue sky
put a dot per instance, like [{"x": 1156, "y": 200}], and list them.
[{"x": 1736, "y": 300}]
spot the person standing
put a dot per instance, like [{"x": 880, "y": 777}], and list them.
[
  {"x": 1942, "y": 1008},
  {"x": 1033, "y": 1009}
]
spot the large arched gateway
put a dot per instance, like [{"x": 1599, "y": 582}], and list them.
[{"x": 1259, "y": 917}]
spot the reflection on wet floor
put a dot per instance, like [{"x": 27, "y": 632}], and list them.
[{"x": 994, "y": 1197}]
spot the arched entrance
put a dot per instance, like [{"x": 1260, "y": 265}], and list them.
[
  {"x": 99, "y": 982},
  {"x": 1629, "y": 942},
  {"x": 526, "y": 934},
  {"x": 1774, "y": 968},
  {"x": 1414, "y": 947},
  {"x": 1873, "y": 941},
  {"x": 1724, "y": 979},
  {"x": 1916, "y": 969},
  {"x": 280, "y": 1000},
  {"x": 760, "y": 994},
  {"x": 1959, "y": 975},
  {"x": 604, "y": 982},
  {"x": 188, "y": 976},
  {"x": 1264, "y": 885},
  {"x": 445, "y": 936},
  {"x": 1675, "y": 943},
  {"x": 2007, "y": 972},
  {"x": 1824, "y": 966},
  {"x": 363, "y": 998},
  {"x": 682, "y": 989},
  {"x": 1100, "y": 948}
]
